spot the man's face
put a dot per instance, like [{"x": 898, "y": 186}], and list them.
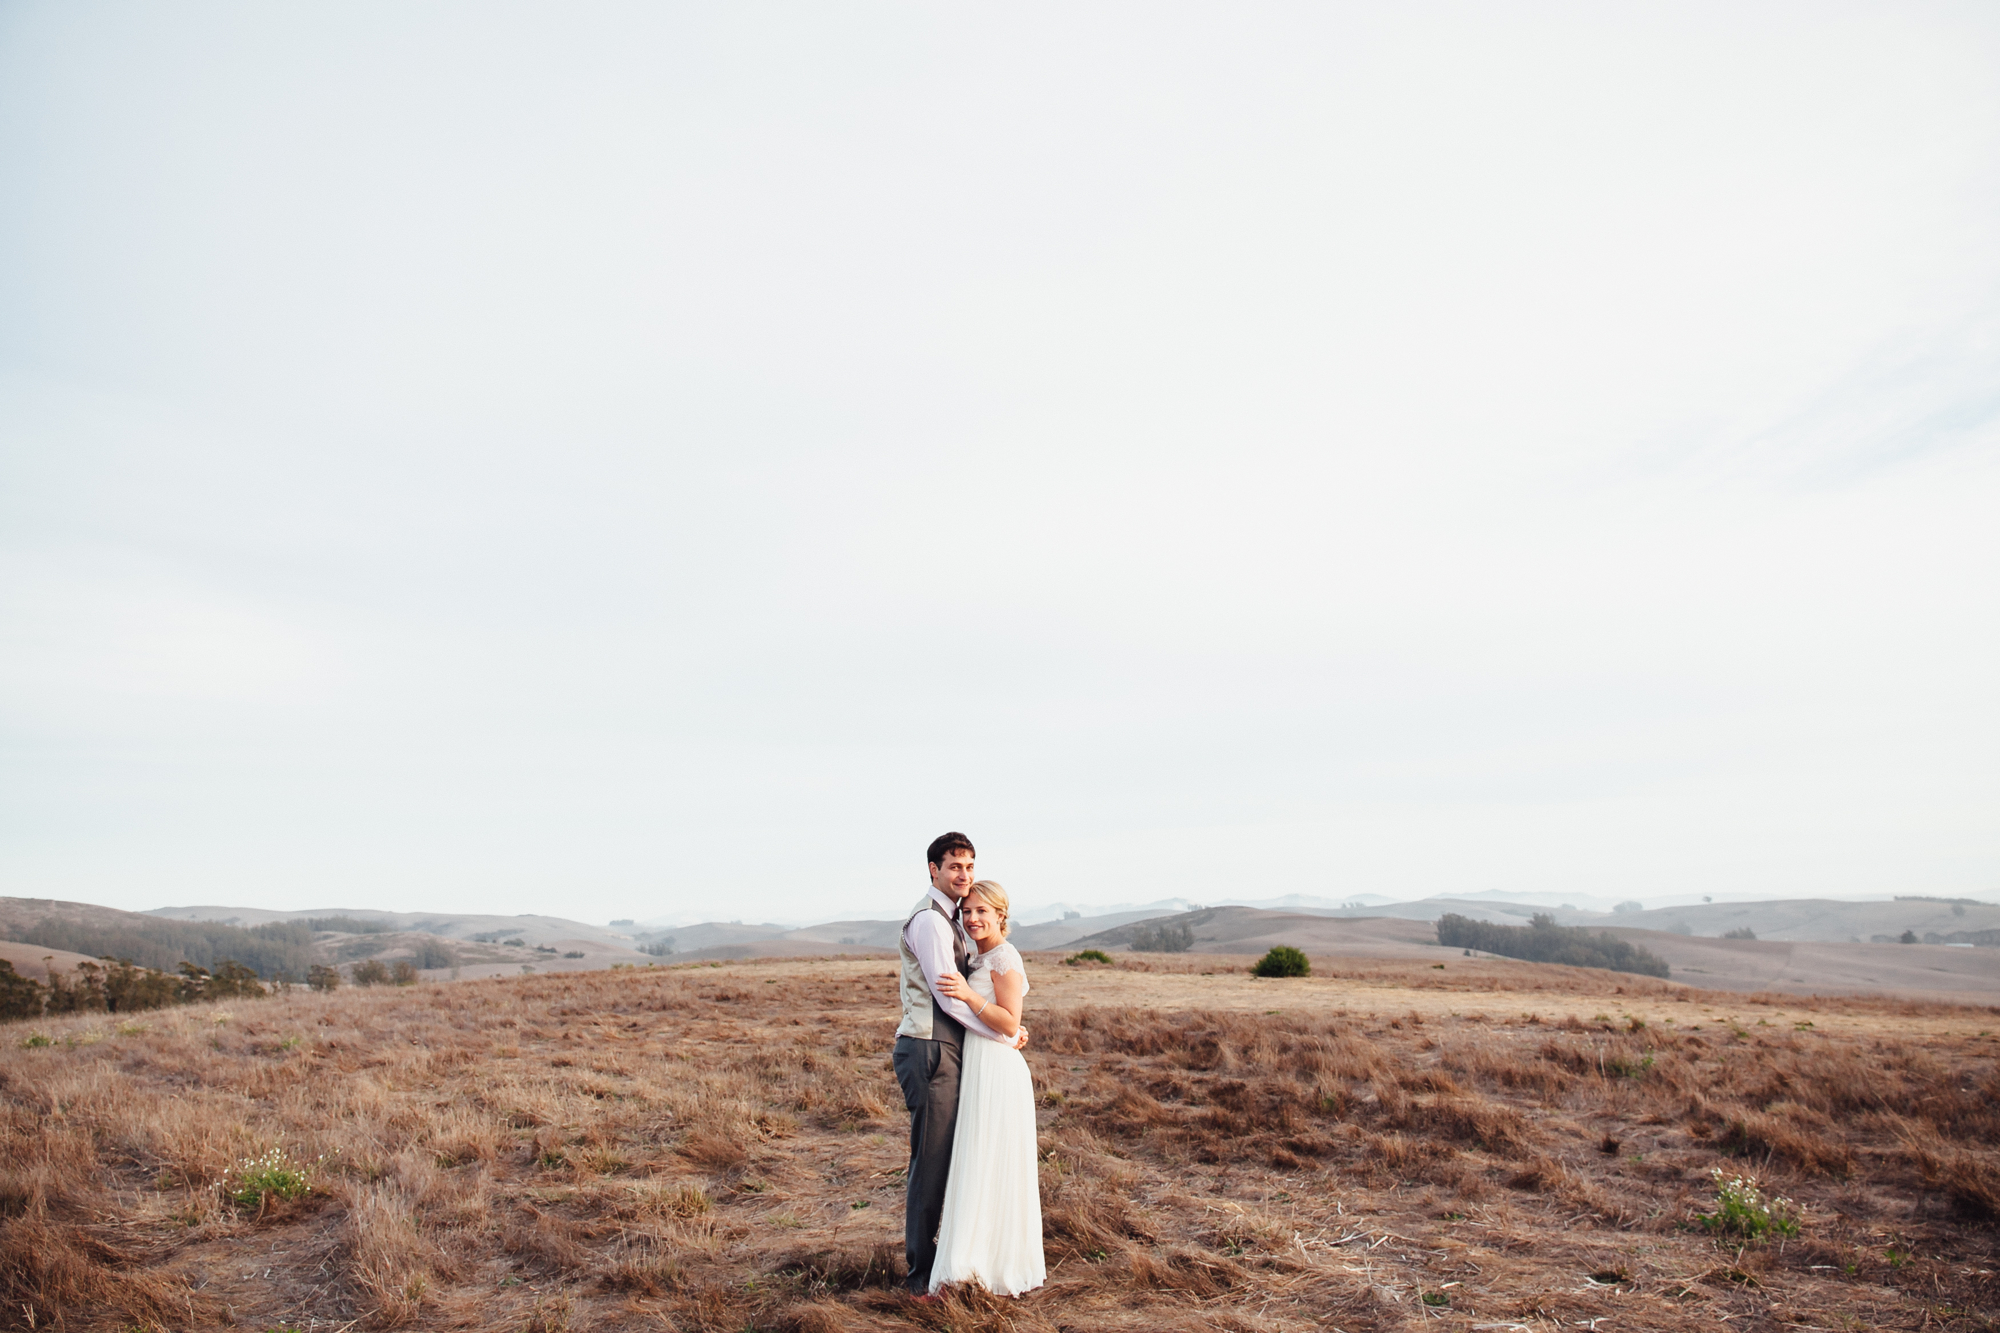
[{"x": 953, "y": 876}]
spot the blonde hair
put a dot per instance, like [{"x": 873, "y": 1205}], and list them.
[{"x": 991, "y": 891}]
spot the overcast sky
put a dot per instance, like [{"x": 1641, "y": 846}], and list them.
[{"x": 630, "y": 461}]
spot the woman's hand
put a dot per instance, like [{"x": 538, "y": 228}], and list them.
[{"x": 954, "y": 987}]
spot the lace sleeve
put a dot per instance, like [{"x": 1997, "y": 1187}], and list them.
[{"x": 1007, "y": 958}]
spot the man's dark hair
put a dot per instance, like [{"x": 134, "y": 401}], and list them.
[{"x": 948, "y": 842}]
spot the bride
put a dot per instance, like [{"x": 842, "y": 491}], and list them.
[{"x": 992, "y": 1227}]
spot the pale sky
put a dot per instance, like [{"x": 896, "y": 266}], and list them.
[{"x": 631, "y": 461}]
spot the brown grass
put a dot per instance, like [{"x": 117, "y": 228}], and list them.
[{"x": 669, "y": 1149}]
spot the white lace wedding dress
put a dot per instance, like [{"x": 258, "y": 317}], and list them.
[{"x": 992, "y": 1228}]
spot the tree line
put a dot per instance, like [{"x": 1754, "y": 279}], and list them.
[
  {"x": 1543, "y": 941},
  {"x": 120, "y": 986},
  {"x": 281, "y": 948},
  {"x": 1175, "y": 938}
]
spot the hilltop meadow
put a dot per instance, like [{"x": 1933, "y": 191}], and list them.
[{"x": 1475, "y": 1145}]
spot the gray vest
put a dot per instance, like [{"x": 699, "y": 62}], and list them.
[{"x": 922, "y": 1015}]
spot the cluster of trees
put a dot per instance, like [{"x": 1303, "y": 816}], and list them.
[
  {"x": 278, "y": 950},
  {"x": 426, "y": 951},
  {"x": 374, "y": 972},
  {"x": 282, "y": 948},
  {"x": 1177, "y": 938},
  {"x": 120, "y": 986},
  {"x": 346, "y": 925},
  {"x": 1543, "y": 941}
]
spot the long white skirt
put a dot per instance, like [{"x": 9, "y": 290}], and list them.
[{"x": 992, "y": 1228}]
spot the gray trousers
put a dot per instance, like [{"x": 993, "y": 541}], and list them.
[{"x": 928, "y": 1071}]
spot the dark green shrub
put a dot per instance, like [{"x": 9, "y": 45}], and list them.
[
  {"x": 1088, "y": 956},
  {"x": 1283, "y": 961}
]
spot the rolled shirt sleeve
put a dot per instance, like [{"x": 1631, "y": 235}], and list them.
[{"x": 929, "y": 938}]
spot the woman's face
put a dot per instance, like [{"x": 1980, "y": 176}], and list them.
[{"x": 981, "y": 921}]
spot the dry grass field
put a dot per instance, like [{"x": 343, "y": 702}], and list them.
[{"x": 1479, "y": 1147}]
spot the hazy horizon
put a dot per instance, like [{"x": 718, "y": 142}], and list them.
[
  {"x": 1033, "y": 912},
  {"x": 609, "y": 462}
]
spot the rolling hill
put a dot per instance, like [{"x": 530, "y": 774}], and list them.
[
  {"x": 1803, "y": 945},
  {"x": 1920, "y": 971}
]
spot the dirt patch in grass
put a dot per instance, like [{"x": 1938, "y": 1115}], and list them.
[{"x": 671, "y": 1148}]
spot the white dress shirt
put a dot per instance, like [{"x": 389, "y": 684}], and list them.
[{"x": 929, "y": 938}]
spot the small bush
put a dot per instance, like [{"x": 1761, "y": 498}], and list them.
[
  {"x": 1088, "y": 956},
  {"x": 1745, "y": 1211},
  {"x": 1740, "y": 933},
  {"x": 1907, "y": 937},
  {"x": 1283, "y": 961},
  {"x": 371, "y": 972},
  {"x": 273, "y": 1173},
  {"x": 404, "y": 973},
  {"x": 323, "y": 978}
]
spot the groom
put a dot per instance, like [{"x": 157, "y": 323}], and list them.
[{"x": 929, "y": 1042}]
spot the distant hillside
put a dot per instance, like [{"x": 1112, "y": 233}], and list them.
[
  {"x": 1802, "y": 945},
  {"x": 1938, "y": 920},
  {"x": 1252, "y": 930},
  {"x": 34, "y": 961},
  {"x": 734, "y": 939},
  {"x": 471, "y": 926},
  {"x": 871, "y": 934},
  {"x": 105, "y": 932},
  {"x": 1056, "y": 934},
  {"x": 1818, "y": 967},
  {"x": 1822, "y": 919}
]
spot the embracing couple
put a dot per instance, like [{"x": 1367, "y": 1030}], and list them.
[{"x": 974, "y": 1205}]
